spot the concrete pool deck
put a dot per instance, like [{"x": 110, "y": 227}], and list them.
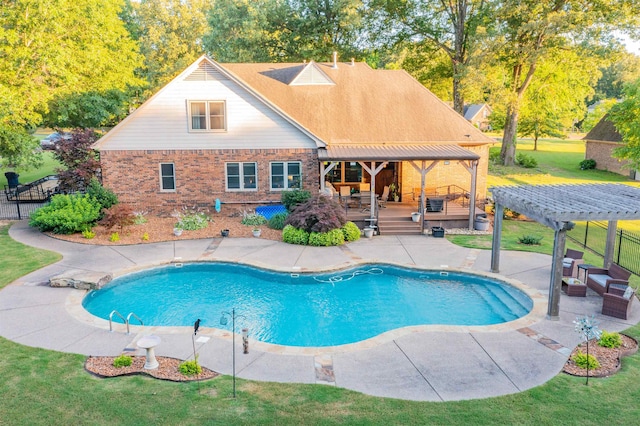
[{"x": 435, "y": 363}]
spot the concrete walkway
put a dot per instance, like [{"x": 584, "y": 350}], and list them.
[{"x": 424, "y": 363}]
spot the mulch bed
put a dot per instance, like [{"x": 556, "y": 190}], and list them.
[
  {"x": 168, "y": 369},
  {"x": 608, "y": 358}
]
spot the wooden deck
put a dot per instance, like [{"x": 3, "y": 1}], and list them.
[{"x": 395, "y": 218}]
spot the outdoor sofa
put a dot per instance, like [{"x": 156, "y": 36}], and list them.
[{"x": 600, "y": 279}]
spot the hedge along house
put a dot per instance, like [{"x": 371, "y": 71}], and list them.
[
  {"x": 246, "y": 132},
  {"x": 600, "y": 143}
]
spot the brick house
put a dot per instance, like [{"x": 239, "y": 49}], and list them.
[
  {"x": 600, "y": 143},
  {"x": 243, "y": 133}
]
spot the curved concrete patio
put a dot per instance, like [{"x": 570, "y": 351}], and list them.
[{"x": 427, "y": 364}]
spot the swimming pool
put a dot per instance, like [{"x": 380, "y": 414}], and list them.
[{"x": 321, "y": 309}]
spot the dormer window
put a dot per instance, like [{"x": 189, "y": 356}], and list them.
[{"x": 207, "y": 116}]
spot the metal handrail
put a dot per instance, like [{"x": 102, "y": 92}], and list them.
[
  {"x": 131, "y": 314},
  {"x": 126, "y": 320},
  {"x": 111, "y": 320}
]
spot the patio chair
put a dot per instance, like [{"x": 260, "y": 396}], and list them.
[
  {"x": 382, "y": 202},
  {"x": 600, "y": 279},
  {"x": 617, "y": 302},
  {"x": 570, "y": 263}
]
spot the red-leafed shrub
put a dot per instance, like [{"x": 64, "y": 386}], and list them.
[
  {"x": 318, "y": 214},
  {"x": 119, "y": 215}
]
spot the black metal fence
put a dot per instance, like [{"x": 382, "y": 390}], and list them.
[
  {"x": 16, "y": 210},
  {"x": 593, "y": 236}
]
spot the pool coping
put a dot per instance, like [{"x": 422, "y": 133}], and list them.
[{"x": 73, "y": 306}]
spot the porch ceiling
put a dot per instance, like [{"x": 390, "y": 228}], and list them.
[{"x": 395, "y": 153}]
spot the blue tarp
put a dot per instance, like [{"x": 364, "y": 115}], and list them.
[{"x": 269, "y": 211}]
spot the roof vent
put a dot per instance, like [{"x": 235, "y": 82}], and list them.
[
  {"x": 335, "y": 60},
  {"x": 205, "y": 72}
]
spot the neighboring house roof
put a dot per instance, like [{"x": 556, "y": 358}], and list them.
[
  {"x": 471, "y": 111},
  {"x": 604, "y": 131},
  {"x": 364, "y": 106}
]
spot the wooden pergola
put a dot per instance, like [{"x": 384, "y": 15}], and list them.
[{"x": 557, "y": 206}]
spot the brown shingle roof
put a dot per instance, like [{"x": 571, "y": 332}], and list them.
[
  {"x": 604, "y": 131},
  {"x": 365, "y": 106}
]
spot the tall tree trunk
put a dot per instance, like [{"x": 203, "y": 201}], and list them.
[
  {"x": 508, "y": 150},
  {"x": 458, "y": 97}
]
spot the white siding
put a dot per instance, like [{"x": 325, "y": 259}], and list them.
[{"x": 162, "y": 123}]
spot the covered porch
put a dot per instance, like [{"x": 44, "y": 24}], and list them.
[{"x": 449, "y": 206}]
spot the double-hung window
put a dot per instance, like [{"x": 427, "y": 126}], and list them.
[
  {"x": 242, "y": 176},
  {"x": 167, "y": 177},
  {"x": 207, "y": 116},
  {"x": 286, "y": 175}
]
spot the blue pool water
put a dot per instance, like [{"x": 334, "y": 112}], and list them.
[{"x": 309, "y": 309}]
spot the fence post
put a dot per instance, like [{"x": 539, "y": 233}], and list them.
[
  {"x": 586, "y": 234},
  {"x": 18, "y": 205},
  {"x": 619, "y": 245}
]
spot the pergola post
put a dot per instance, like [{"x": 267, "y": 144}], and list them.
[
  {"x": 472, "y": 168},
  {"x": 497, "y": 236},
  {"x": 555, "y": 284},
  {"x": 611, "y": 243}
]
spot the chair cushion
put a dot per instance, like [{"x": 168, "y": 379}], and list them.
[
  {"x": 600, "y": 279},
  {"x": 628, "y": 293},
  {"x": 566, "y": 264}
]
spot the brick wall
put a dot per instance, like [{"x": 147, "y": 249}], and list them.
[
  {"x": 601, "y": 152},
  {"x": 448, "y": 174},
  {"x": 199, "y": 174}
]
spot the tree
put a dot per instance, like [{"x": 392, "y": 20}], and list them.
[
  {"x": 88, "y": 109},
  {"x": 170, "y": 34},
  {"x": 449, "y": 26},
  {"x": 555, "y": 99},
  {"x": 283, "y": 30},
  {"x": 80, "y": 160},
  {"x": 626, "y": 117},
  {"x": 51, "y": 48},
  {"x": 531, "y": 29}
]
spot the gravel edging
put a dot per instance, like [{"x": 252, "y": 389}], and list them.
[
  {"x": 609, "y": 359},
  {"x": 168, "y": 369}
]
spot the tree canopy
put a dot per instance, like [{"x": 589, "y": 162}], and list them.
[{"x": 626, "y": 117}]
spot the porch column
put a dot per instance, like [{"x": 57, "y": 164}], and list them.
[
  {"x": 373, "y": 172},
  {"x": 472, "y": 168},
  {"x": 423, "y": 170}
]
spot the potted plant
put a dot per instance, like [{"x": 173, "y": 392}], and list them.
[
  {"x": 393, "y": 188},
  {"x": 437, "y": 231},
  {"x": 415, "y": 216},
  {"x": 224, "y": 232},
  {"x": 257, "y": 232},
  {"x": 177, "y": 231},
  {"x": 368, "y": 232}
]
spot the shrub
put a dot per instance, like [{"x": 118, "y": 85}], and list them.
[
  {"x": 610, "y": 340},
  {"x": 253, "y": 219},
  {"x": 293, "y": 235},
  {"x": 351, "y": 231},
  {"x": 191, "y": 219},
  {"x": 66, "y": 214},
  {"x": 494, "y": 157},
  {"x": 119, "y": 215},
  {"x": 318, "y": 214},
  {"x": 190, "y": 368},
  {"x": 115, "y": 237},
  {"x": 582, "y": 360},
  {"x": 122, "y": 361},
  {"x": 277, "y": 221},
  {"x": 588, "y": 164},
  {"x": 530, "y": 240},
  {"x": 145, "y": 236},
  {"x": 335, "y": 237},
  {"x": 88, "y": 234},
  {"x": 140, "y": 218},
  {"x": 105, "y": 197},
  {"x": 526, "y": 161},
  {"x": 291, "y": 199},
  {"x": 80, "y": 161}
]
